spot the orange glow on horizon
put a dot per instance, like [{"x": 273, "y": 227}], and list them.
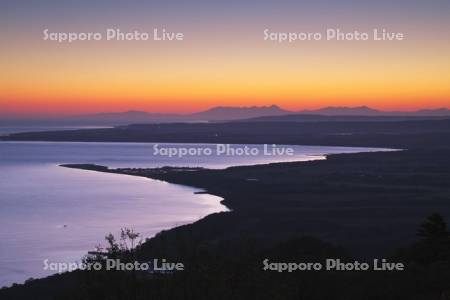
[{"x": 182, "y": 78}]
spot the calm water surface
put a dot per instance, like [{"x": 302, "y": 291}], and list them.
[{"x": 55, "y": 213}]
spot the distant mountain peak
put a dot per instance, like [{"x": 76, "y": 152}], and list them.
[
  {"x": 344, "y": 110},
  {"x": 131, "y": 111},
  {"x": 273, "y": 106},
  {"x": 239, "y": 112}
]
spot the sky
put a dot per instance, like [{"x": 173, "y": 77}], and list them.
[{"x": 223, "y": 58}]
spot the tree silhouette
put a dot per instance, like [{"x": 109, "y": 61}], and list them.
[{"x": 433, "y": 228}]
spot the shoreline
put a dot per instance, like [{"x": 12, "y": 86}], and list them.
[
  {"x": 363, "y": 204},
  {"x": 161, "y": 173},
  {"x": 368, "y": 204},
  {"x": 253, "y": 190}
]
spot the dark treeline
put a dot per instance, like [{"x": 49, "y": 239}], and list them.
[{"x": 235, "y": 271}]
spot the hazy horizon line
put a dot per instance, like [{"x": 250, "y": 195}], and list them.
[{"x": 178, "y": 113}]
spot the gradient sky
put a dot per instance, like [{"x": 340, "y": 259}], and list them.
[{"x": 223, "y": 59}]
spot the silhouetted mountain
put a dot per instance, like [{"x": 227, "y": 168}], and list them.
[
  {"x": 343, "y": 111},
  {"x": 233, "y": 113},
  {"x": 341, "y": 118},
  {"x": 224, "y": 113},
  {"x": 433, "y": 112},
  {"x": 367, "y": 111},
  {"x": 132, "y": 116},
  {"x": 212, "y": 114}
]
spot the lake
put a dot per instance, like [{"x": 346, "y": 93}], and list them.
[{"x": 55, "y": 213}]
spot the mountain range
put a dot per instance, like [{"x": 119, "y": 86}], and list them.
[{"x": 224, "y": 113}]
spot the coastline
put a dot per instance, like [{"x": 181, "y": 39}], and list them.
[
  {"x": 354, "y": 187},
  {"x": 355, "y": 206},
  {"x": 368, "y": 204}
]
